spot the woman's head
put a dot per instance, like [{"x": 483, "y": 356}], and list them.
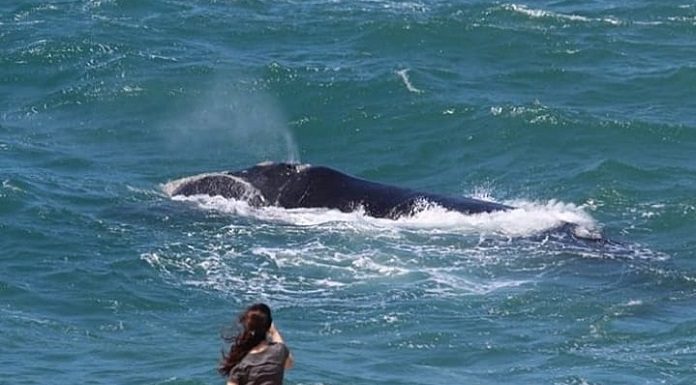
[
  {"x": 254, "y": 323},
  {"x": 259, "y": 311}
]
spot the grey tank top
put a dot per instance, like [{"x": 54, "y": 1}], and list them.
[{"x": 264, "y": 368}]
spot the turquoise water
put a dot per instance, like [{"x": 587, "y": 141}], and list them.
[{"x": 571, "y": 110}]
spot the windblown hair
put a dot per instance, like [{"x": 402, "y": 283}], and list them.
[{"x": 254, "y": 323}]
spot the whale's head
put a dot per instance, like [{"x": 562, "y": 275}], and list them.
[
  {"x": 215, "y": 184},
  {"x": 271, "y": 178},
  {"x": 272, "y": 169},
  {"x": 270, "y": 173},
  {"x": 259, "y": 185}
]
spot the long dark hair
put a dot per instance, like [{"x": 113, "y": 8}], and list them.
[{"x": 254, "y": 323}]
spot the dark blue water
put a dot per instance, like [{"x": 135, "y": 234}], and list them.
[{"x": 573, "y": 111}]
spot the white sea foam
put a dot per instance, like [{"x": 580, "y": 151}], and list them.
[
  {"x": 317, "y": 269},
  {"x": 403, "y": 74},
  {"x": 634, "y": 302},
  {"x": 24, "y": 317},
  {"x": 448, "y": 282},
  {"x": 92, "y": 4},
  {"x": 534, "y": 114},
  {"x": 313, "y": 253},
  {"x": 541, "y": 13},
  {"x": 527, "y": 219},
  {"x": 394, "y": 6},
  {"x": 410, "y": 6},
  {"x": 6, "y": 184}
]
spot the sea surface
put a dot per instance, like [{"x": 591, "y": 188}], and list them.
[{"x": 572, "y": 111}]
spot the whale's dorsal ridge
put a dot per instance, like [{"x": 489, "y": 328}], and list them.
[{"x": 293, "y": 185}]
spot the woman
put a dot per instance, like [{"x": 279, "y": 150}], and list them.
[{"x": 258, "y": 354}]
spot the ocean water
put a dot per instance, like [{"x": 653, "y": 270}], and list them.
[{"x": 581, "y": 111}]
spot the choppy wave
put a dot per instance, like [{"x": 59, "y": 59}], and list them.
[
  {"x": 330, "y": 253},
  {"x": 527, "y": 219},
  {"x": 539, "y": 13}
]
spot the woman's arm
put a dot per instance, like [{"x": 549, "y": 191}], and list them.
[
  {"x": 274, "y": 334},
  {"x": 290, "y": 361},
  {"x": 276, "y": 337}
]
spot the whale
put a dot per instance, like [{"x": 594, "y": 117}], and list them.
[{"x": 291, "y": 185}]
